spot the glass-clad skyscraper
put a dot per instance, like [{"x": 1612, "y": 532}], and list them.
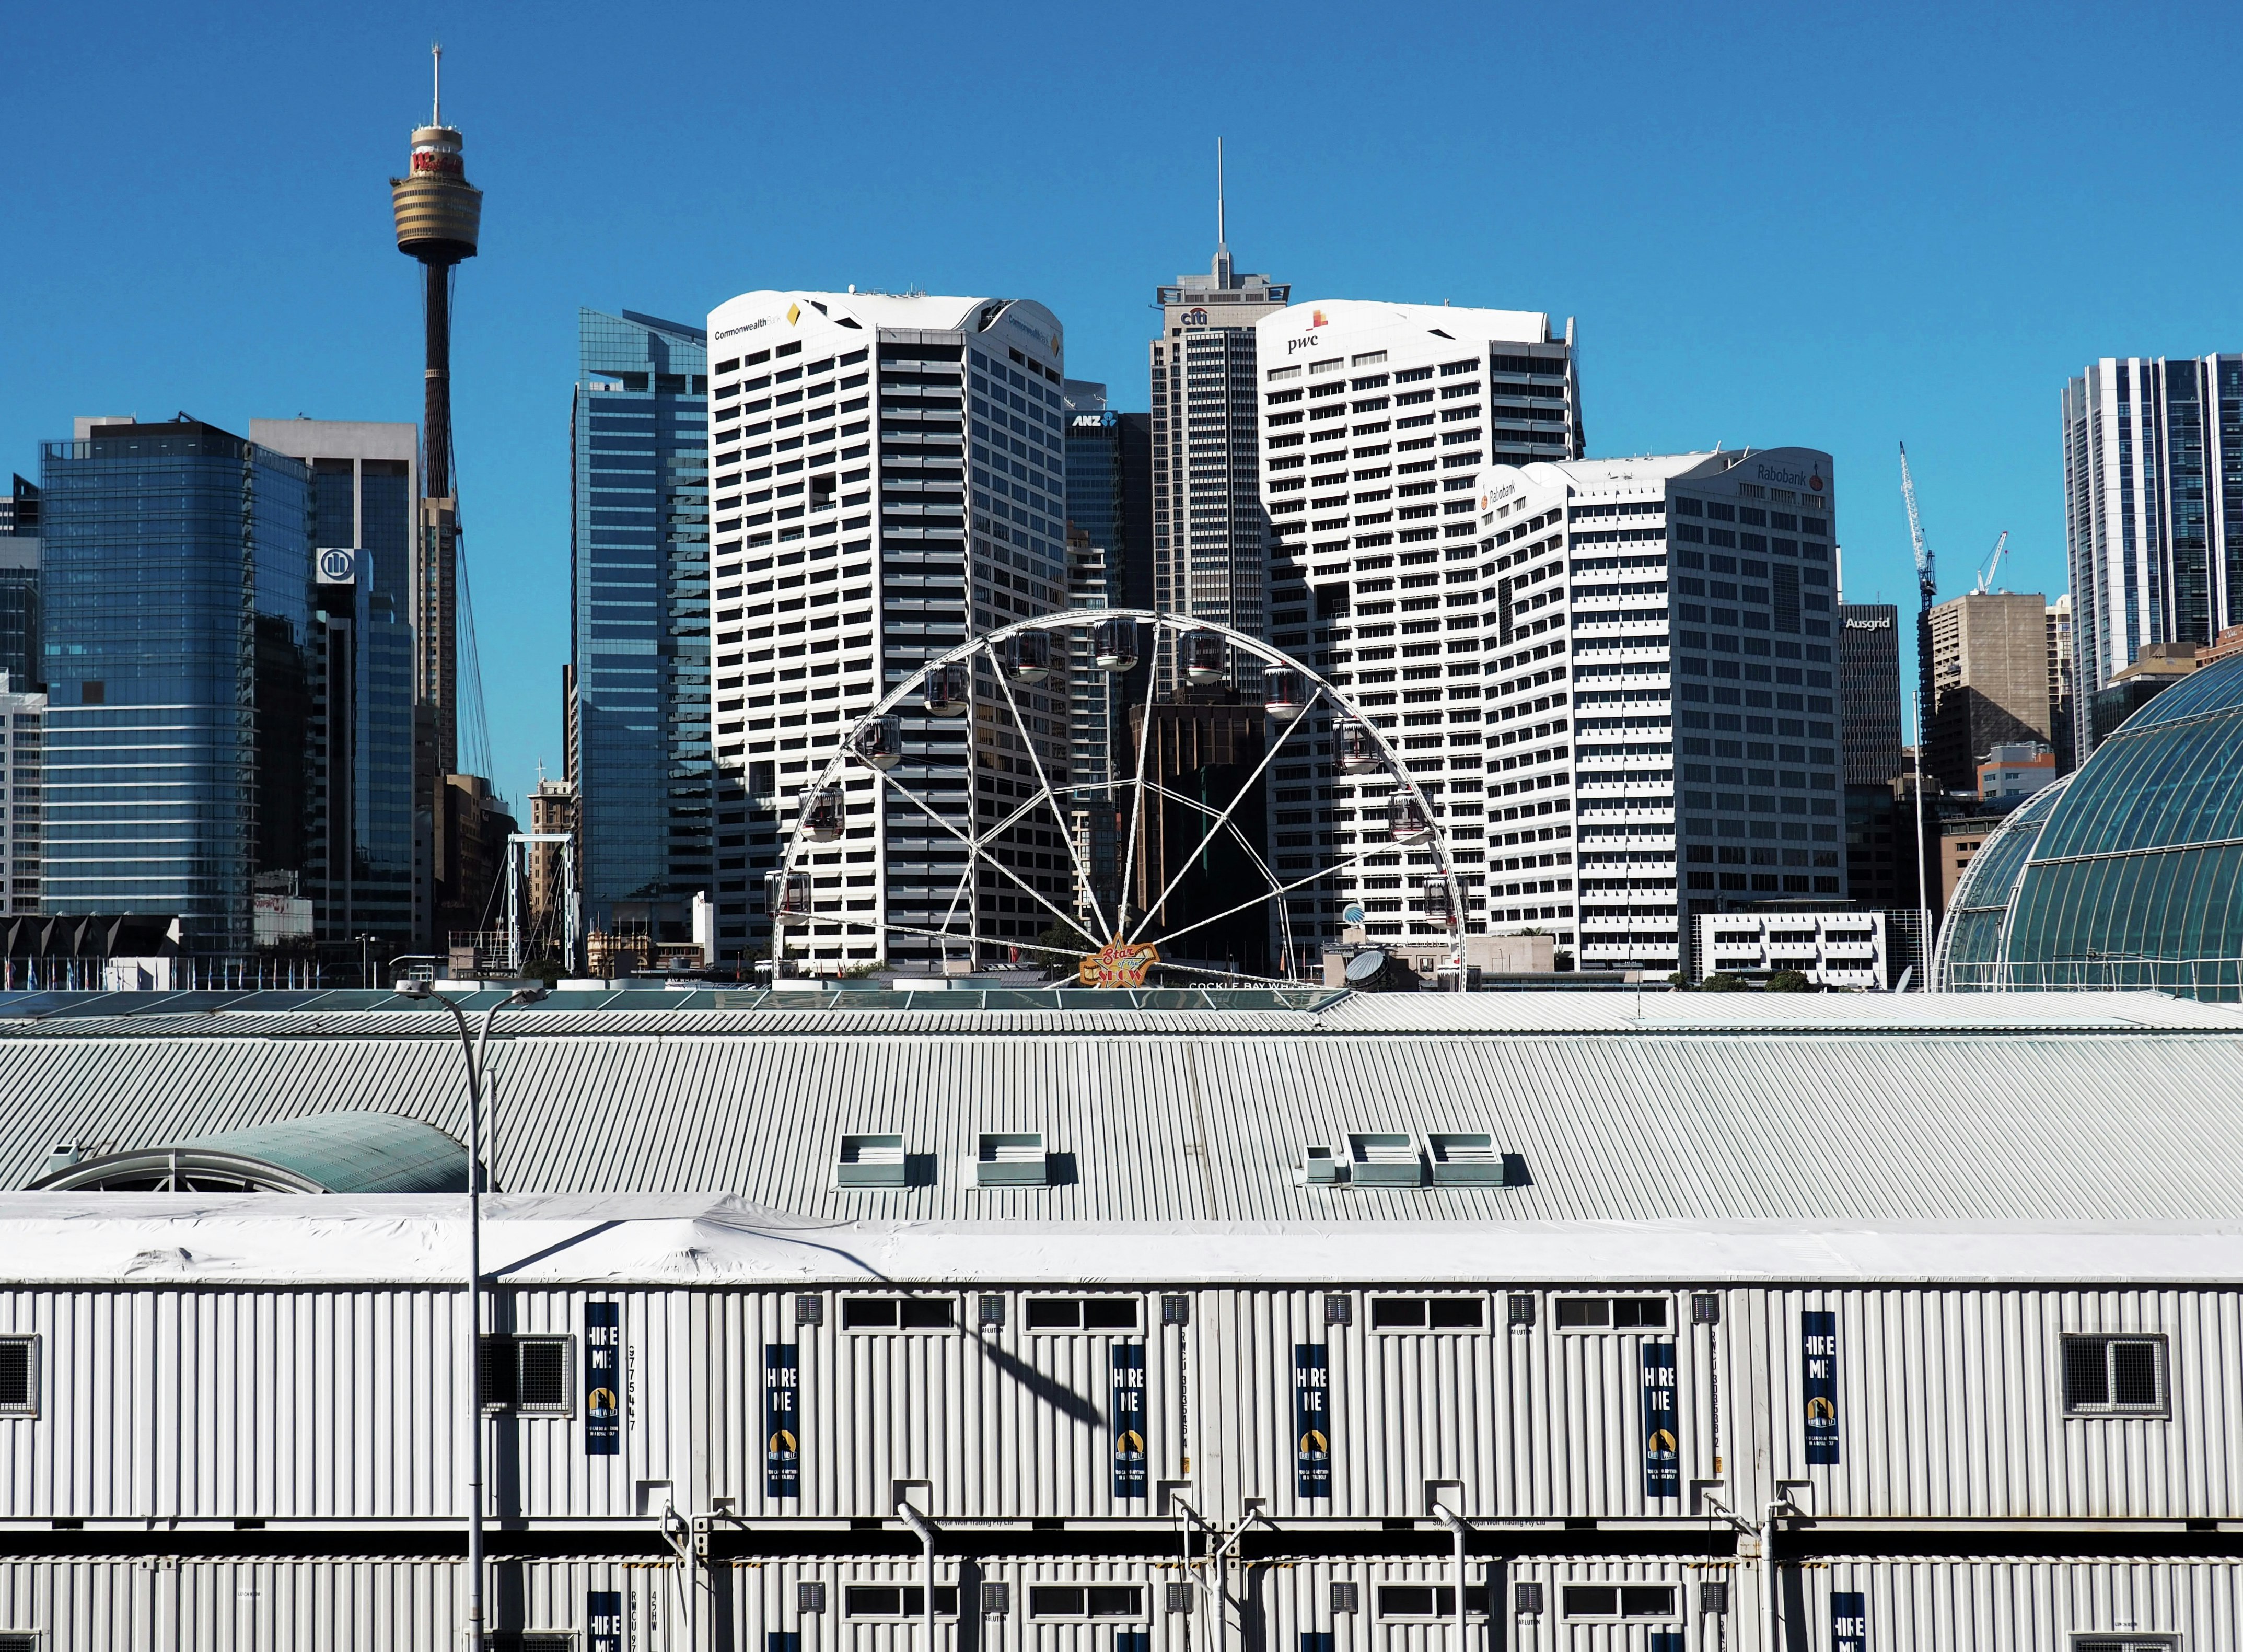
[
  {"x": 2154, "y": 511},
  {"x": 361, "y": 867},
  {"x": 1109, "y": 564},
  {"x": 639, "y": 610},
  {"x": 178, "y": 615}
]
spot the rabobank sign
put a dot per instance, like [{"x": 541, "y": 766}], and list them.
[{"x": 1781, "y": 475}]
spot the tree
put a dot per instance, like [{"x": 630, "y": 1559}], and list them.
[
  {"x": 1790, "y": 980},
  {"x": 1063, "y": 941},
  {"x": 1721, "y": 981}
]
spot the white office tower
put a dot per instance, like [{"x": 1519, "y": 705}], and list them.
[
  {"x": 1210, "y": 544},
  {"x": 1517, "y": 642},
  {"x": 828, "y": 589},
  {"x": 1378, "y": 423}
]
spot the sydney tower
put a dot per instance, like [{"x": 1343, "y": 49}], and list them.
[{"x": 439, "y": 214}]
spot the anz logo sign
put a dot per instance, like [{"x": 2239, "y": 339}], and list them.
[
  {"x": 1094, "y": 421},
  {"x": 338, "y": 567}
]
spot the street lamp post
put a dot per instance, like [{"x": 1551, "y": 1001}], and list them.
[{"x": 472, "y": 1053}]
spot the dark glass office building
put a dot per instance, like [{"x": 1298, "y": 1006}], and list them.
[
  {"x": 360, "y": 869},
  {"x": 19, "y": 587},
  {"x": 177, "y": 631},
  {"x": 1868, "y": 692},
  {"x": 1109, "y": 564},
  {"x": 1109, "y": 561},
  {"x": 639, "y": 614}
]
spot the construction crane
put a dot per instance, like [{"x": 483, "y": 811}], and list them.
[
  {"x": 1926, "y": 582},
  {"x": 1927, "y": 586},
  {"x": 1992, "y": 566}
]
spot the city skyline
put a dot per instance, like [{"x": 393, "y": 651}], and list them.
[{"x": 1925, "y": 202}]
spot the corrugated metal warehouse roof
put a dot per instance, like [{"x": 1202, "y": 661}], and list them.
[{"x": 2015, "y": 1108}]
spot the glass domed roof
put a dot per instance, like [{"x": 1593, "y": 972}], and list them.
[{"x": 2128, "y": 874}]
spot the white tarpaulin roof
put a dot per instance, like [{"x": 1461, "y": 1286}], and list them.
[{"x": 265, "y": 1239}]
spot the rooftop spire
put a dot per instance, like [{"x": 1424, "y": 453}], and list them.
[
  {"x": 1223, "y": 273},
  {"x": 436, "y": 80}
]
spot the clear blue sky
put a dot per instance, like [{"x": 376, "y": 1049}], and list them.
[{"x": 1773, "y": 226}]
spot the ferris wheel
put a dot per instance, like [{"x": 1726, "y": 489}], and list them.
[{"x": 969, "y": 760}]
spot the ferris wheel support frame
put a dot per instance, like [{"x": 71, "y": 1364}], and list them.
[{"x": 991, "y": 645}]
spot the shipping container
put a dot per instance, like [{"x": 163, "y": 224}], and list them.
[{"x": 1357, "y": 1402}]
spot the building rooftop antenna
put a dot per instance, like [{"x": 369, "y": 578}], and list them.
[
  {"x": 436, "y": 84},
  {"x": 1222, "y": 234},
  {"x": 1222, "y": 225}
]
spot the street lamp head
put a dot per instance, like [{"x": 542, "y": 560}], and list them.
[
  {"x": 528, "y": 995},
  {"x": 412, "y": 987}
]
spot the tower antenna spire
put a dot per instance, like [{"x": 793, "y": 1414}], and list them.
[
  {"x": 436, "y": 82},
  {"x": 1222, "y": 234},
  {"x": 1222, "y": 275}
]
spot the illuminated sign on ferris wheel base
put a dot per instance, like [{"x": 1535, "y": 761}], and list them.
[{"x": 1119, "y": 963}]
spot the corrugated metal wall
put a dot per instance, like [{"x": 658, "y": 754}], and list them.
[
  {"x": 215, "y": 1403},
  {"x": 166, "y": 1605},
  {"x": 269, "y": 1404},
  {"x": 414, "y": 1605},
  {"x": 1950, "y": 1406},
  {"x": 1957, "y": 1605},
  {"x": 296, "y": 1605}
]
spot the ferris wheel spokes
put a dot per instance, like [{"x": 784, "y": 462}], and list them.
[
  {"x": 1084, "y": 882},
  {"x": 974, "y": 847},
  {"x": 945, "y": 685},
  {"x": 1137, "y": 782},
  {"x": 1283, "y": 889},
  {"x": 1228, "y": 809},
  {"x": 1245, "y": 844}
]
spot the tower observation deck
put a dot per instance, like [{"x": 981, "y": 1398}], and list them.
[{"x": 439, "y": 218}]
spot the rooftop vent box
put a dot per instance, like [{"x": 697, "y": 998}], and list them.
[
  {"x": 1320, "y": 1165},
  {"x": 1465, "y": 1158},
  {"x": 1384, "y": 1159},
  {"x": 1011, "y": 1158},
  {"x": 870, "y": 1161}
]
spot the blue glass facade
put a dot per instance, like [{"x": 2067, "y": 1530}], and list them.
[
  {"x": 177, "y": 618},
  {"x": 639, "y": 609},
  {"x": 359, "y": 858},
  {"x": 2129, "y": 874}
]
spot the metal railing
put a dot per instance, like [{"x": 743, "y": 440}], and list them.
[{"x": 2214, "y": 979}]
